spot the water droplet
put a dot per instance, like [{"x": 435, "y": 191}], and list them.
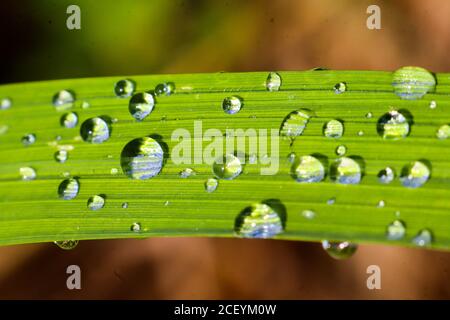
[
  {"x": 308, "y": 169},
  {"x": 61, "y": 156},
  {"x": 211, "y": 185},
  {"x": 360, "y": 133},
  {"x": 67, "y": 244},
  {"x": 339, "y": 250},
  {"x": 433, "y": 104},
  {"x": 386, "y": 175},
  {"x": 345, "y": 171},
  {"x": 27, "y": 173},
  {"x": 186, "y": 173},
  {"x": 308, "y": 214},
  {"x": 415, "y": 174},
  {"x": 341, "y": 150},
  {"x": 291, "y": 157},
  {"x": 3, "y": 129},
  {"x": 125, "y": 205},
  {"x": 331, "y": 201},
  {"x": 393, "y": 125},
  {"x": 142, "y": 158},
  {"x": 412, "y": 83},
  {"x": 443, "y": 132},
  {"x": 136, "y": 227},
  {"x": 69, "y": 120},
  {"x": 227, "y": 167},
  {"x": 28, "y": 139},
  {"x": 396, "y": 230},
  {"x": 124, "y": 88},
  {"x": 95, "y": 130},
  {"x": 333, "y": 129},
  {"x": 6, "y": 103},
  {"x": 381, "y": 204},
  {"x": 141, "y": 105},
  {"x": 68, "y": 189},
  {"x": 114, "y": 171},
  {"x": 63, "y": 99},
  {"x": 423, "y": 238},
  {"x": 340, "y": 87},
  {"x": 232, "y": 105},
  {"x": 369, "y": 115},
  {"x": 85, "y": 105},
  {"x": 258, "y": 221},
  {"x": 165, "y": 89},
  {"x": 295, "y": 123},
  {"x": 96, "y": 202},
  {"x": 273, "y": 82}
]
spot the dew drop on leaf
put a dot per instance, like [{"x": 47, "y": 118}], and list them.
[
  {"x": 68, "y": 189},
  {"x": 340, "y": 87},
  {"x": 341, "y": 150},
  {"x": 136, "y": 227},
  {"x": 124, "y": 88},
  {"x": 67, "y": 244},
  {"x": 443, "y": 132},
  {"x": 95, "y": 130},
  {"x": 186, "y": 173},
  {"x": 5, "y": 103},
  {"x": 27, "y": 173},
  {"x": 415, "y": 174},
  {"x": 69, "y": 120},
  {"x": 28, "y": 139},
  {"x": 211, "y": 185},
  {"x": 232, "y": 105},
  {"x": 166, "y": 89},
  {"x": 96, "y": 202},
  {"x": 339, "y": 250},
  {"x": 295, "y": 123},
  {"x": 333, "y": 129},
  {"x": 412, "y": 83},
  {"x": 424, "y": 238},
  {"x": 258, "y": 221},
  {"x": 386, "y": 175},
  {"x": 141, "y": 105},
  {"x": 308, "y": 169},
  {"x": 142, "y": 158},
  {"x": 393, "y": 126},
  {"x": 273, "y": 82},
  {"x": 227, "y": 167},
  {"x": 345, "y": 171},
  {"x": 63, "y": 99},
  {"x": 61, "y": 156},
  {"x": 396, "y": 230}
]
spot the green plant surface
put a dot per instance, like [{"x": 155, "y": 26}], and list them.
[{"x": 168, "y": 205}]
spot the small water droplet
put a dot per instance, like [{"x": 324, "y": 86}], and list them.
[
  {"x": 95, "y": 130},
  {"x": 386, "y": 175},
  {"x": 211, "y": 185},
  {"x": 331, "y": 201},
  {"x": 393, "y": 126},
  {"x": 3, "y": 129},
  {"x": 63, "y": 99},
  {"x": 68, "y": 189},
  {"x": 165, "y": 89},
  {"x": 5, "y": 103},
  {"x": 67, "y": 244},
  {"x": 186, "y": 173},
  {"x": 381, "y": 204},
  {"x": 415, "y": 174},
  {"x": 61, "y": 156},
  {"x": 69, "y": 120},
  {"x": 360, "y": 133},
  {"x": 227, "y": 167},
  {"x": 423, "y": 238},
  {"x": 295, "y": 123},
  {"x": 308, "y": 214},
  {"x": 141, "y": 105},
  {"x": 142, "y": 158},
  {"x": 339, "y": 250},
  {"x": 291, "y": 157},
  {"x": 412, "y": 83},
  {"x": 96, "y": 202},
  {"x": 232, "y": 105},
  {"x": 258, "y": 221},
  {"x": 443, "y": 132},
  {"x": 273, "y": 82},
  {"x": 136, "y": 227},
  {"x": 114, "y": 171},
  {"x": 167, "y": 203},
  {"x": 433, "y": 104},
  {"x": 333, "y": 129},
  {"x": 396, "y": 230},
  {"x": 340, "y": 87},
  {"x": 85, "y": 105},
  {"x": 369, "y": 115},
  {"x": 124, "y": 88},
  {"x": 308, "y": 169},
  {"x": 341, "y": 150},
  {"x": 28, "y": 139},
  {"x": 27, "y": 173},
  {"x": 345, "y": 171},
  {"x": 125, "y": 205}
]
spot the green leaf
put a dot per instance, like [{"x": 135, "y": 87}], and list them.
[{"x": 168, "y": 205}]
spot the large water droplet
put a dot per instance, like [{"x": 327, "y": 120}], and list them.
[
  {"x": 69, "y": 120},
  {"x": 396, "y": 230},
  {"x": 95, "y": 130},
  {"x": 227, "y": 167},
  {"x": 333, "y": 129},
  {"x": 142, "y": 158},
  {"x": 339, "y": 250},
  {"x": 68, "y": 189},
  {"x": 61, "y": 156},
  {"x": 308, "y": 169},
  {"x": 413, "y": 82},
  {"x": 443, "y": 132},
  {"x": 258, "y": 221},
  {"x": 423, "y": 238},
  {"x": 124, "y": 88},
  {"x": 141, "y": 105},
  {"x": 232, "y": 105},
  {"x": 393, "y": 125},
  {"x": 27, "y": 173},
  {"x": 340, "y": 87},
  {"x": 273, "y": 82},
  {"x": 5, "y": 103},
  {"x": 295, "y": 123},
  {"x": 415, "y": 174},
  {"x": 165, "y": 89},
  {"x": 345, "y": 171},
  {"x": 63, "y": 99},
  {"x": 386, "y": 175},
  {"x": 67, "y": 244},
  {"x": 28, "y": 139},
  {"x": 211, "y": 185},
  {"x": 96, "y": 202}
]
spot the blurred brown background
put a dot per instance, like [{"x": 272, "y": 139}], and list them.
[{"x": 160, "y": 36}]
